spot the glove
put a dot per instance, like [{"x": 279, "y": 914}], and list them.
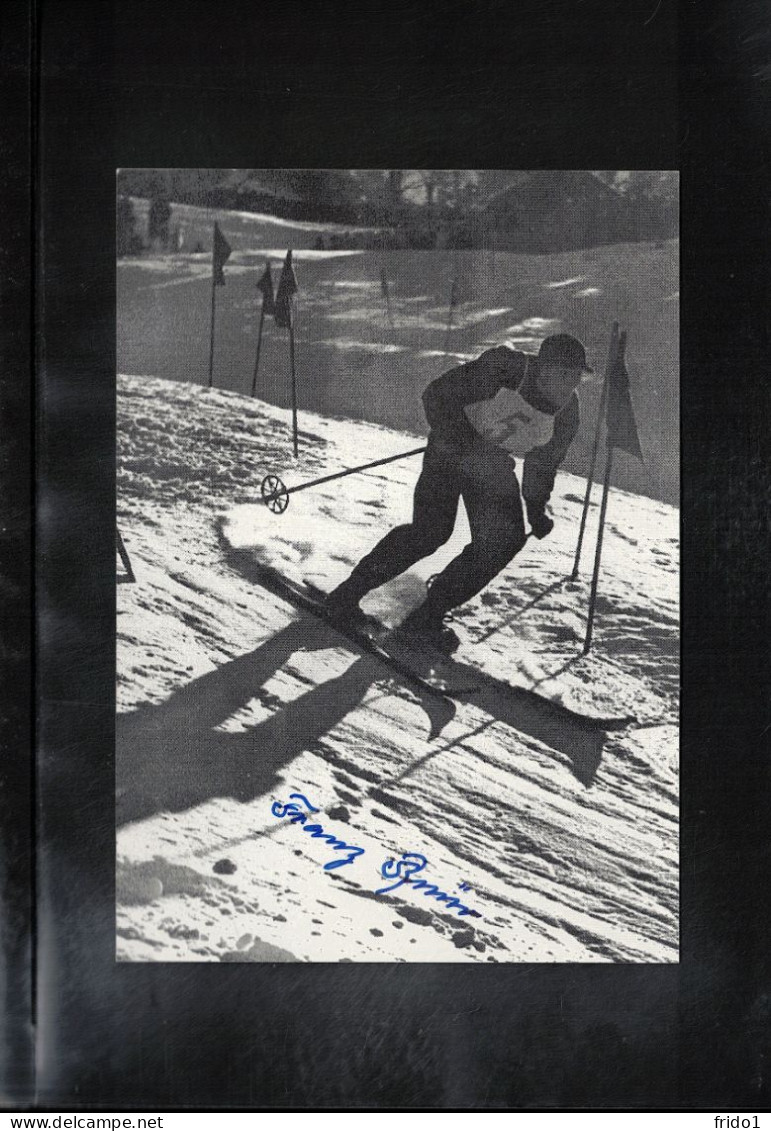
[{"x": 541, "y": 524}]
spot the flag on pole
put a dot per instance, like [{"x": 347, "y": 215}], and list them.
[
  {"x": 219, "y": 257},
  {"x": 220, "y": 253},
  {"x": 265, "y": 284},
  {"x": 287, "y": 287},
  {"x": 622, "y": 429}
]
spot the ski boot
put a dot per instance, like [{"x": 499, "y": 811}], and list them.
[{"x": 425, "y": 626}]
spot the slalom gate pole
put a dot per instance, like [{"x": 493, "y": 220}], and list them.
[
  {"x": 600, "y": 416},
  {"x": 343, "y": 474},
  {"x": 211, "y": 339},
  {"x": 598, "y": 553},
  {"x": 259, "y": 342},
  {"x": 125, "y": 559},
  {"x": 449, "y": 318},
  {"x": 386, "y": 296},
  {"x": 294, "y": 386}
]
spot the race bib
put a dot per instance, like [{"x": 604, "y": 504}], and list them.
[{"x": 511, "y": 423}]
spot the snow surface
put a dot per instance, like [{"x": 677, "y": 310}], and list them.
[{"x": 230, "y": 700}]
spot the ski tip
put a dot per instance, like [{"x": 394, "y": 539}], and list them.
[{"x": 615, "y": 724}]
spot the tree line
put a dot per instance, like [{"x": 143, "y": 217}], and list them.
[{"x": 424, "y": 205}]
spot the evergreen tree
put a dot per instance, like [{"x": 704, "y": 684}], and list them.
[{"x": 127, "y": 240}]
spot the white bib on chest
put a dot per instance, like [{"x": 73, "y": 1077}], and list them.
[{"x": 510, "y": 422}]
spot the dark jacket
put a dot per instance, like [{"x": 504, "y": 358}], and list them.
[{"x": 500, "y": 368}]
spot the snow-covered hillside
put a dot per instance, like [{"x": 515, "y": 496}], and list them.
[
  {"x": 563, "y": 840},
  {"x": 371, "y": 329}
]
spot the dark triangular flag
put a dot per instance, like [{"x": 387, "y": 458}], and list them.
[
  {"x": 265, "y": 284},
  {"x": 287, "y": 286},
  {"x": 622, "y": 430},
  {"x": 219, "y": 256}
]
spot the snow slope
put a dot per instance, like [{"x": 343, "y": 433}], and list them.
[
  {"x": 230, "y": 700},
  {"x": 358, "y": 356}
]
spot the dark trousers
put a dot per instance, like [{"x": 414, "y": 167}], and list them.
[{"x": 497, "y": 533}]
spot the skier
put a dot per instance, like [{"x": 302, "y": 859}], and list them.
[{"x": 505, "y": 403}]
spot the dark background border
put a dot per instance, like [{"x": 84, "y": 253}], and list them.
[
  {"x": 451, "y": 84},
  {"x": 17, "y": 894}
]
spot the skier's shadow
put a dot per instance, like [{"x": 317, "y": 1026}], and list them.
[
  {"x": 175, "y": 756},
  {"x": 582, "y": 741}
]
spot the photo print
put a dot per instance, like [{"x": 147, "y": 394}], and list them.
[{"x": 397, "y": 565}]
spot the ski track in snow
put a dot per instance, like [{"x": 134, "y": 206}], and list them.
[{"x": 230, "y": 699}]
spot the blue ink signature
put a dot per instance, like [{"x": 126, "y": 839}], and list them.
[
  {"x": 296, "y": 816},
  {"x": 404, "y": 869}
]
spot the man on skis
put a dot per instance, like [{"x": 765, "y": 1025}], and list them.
[{"x": 504, "y": 404}]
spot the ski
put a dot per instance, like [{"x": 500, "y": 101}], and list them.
[
  {"x": 411, "y": 657},
  {"x": 429, "y": 669},
  {"x": 311, "y": 600},
  {"x": 464, "y": 678}
]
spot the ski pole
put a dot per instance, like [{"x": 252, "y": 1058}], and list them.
[{"x": 275, "y": 494}]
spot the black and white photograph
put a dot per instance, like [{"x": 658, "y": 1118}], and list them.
[
  {"x": 397, "y": 565},
  {"x": 394, "y": 676},
  {"x": 387, "y": 728}
]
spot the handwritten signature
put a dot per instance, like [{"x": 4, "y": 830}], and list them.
[
  {"x": 404, "y": 869},
  {"x": 299, "y": 818},
  {"x": 401, "y": 871}
]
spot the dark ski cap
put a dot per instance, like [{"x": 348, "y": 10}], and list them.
[{"x": 564, "y": 349}]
